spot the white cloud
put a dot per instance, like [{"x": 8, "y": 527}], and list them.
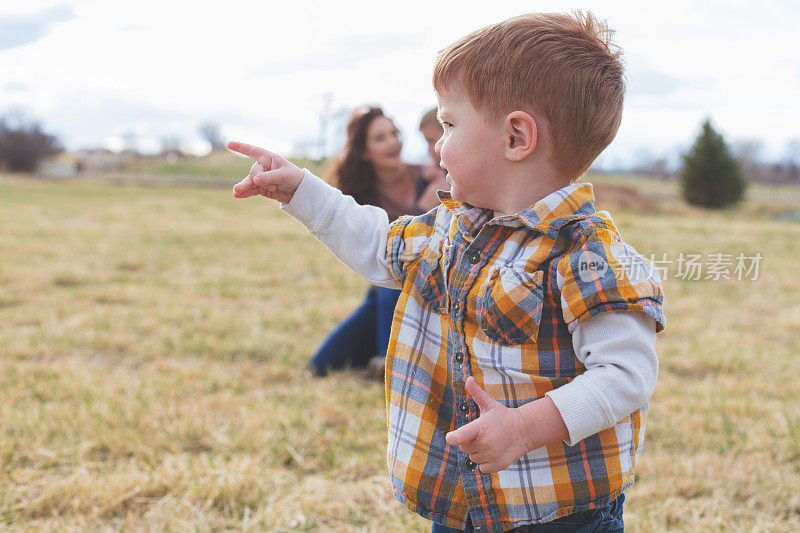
[
  {"x": 26, "y": 28},
  {"x": 262, "y": 68}
]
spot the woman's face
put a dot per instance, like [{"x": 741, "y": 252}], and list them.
[{"x": 383, "y": 145}]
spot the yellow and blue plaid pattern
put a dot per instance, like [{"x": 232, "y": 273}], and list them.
[{"x": 497, "y": 299}]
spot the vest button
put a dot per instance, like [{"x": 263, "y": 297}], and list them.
[
  {"x": 463, "y": 407},
  {"x": 469, "y": 464},
  {"x": 459, "y": 357}
]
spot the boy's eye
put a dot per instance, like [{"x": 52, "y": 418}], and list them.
[{"x": 446, "y": 125}]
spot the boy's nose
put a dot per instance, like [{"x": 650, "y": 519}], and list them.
[{"x": 438, "y": 146}]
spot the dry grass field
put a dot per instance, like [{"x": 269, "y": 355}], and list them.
[{"x": 153, "y": 343}]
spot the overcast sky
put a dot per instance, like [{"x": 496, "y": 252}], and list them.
[{"x": 92, "y": 71}]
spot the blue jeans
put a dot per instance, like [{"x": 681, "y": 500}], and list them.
[
  {"x": 607, "y": 518},
  {"x": 364, "y": 334}
]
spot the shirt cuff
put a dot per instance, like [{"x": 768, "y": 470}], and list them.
[
  {"x": 310, "y": 196},
  {"x": 571, "y": 401}
]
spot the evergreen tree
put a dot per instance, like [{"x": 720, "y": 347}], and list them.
[{"x": 711, "y": 176}]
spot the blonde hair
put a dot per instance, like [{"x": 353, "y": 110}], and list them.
[{"x": 562, "y": 68}]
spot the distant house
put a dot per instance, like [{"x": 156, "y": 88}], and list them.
[
  {"x": 63, "y": 165},
  {"x": 71, "y": 164}
]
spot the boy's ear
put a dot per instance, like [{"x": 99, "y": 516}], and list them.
[{"x": 521, "y": 134}]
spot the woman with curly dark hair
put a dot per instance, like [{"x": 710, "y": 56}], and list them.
[{"x": 371, "y": 171}]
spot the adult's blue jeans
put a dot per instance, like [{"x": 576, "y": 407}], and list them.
[
  {"x": 607, "y": 518},
  {"x": 363, "y": 335}
]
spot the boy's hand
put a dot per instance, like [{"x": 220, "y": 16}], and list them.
[
  {"x": 497, "y": 438},
  {"x": 271, "y": 176}
]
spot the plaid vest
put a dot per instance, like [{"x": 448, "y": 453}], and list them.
[{"x": 497, "y": 299}]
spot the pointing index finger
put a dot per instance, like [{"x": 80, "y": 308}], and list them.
[{"x": 259, "y": 154}]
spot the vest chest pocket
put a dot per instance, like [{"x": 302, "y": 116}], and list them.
[
  {"x": 509, "y": 305},
  {"x": 430, "y": 279}
]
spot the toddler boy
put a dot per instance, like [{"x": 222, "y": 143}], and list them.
[{"x": 515, "y": 398}]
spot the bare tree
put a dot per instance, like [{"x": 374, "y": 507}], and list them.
[
  {"x": 211, "y": 133},
  {"x": 23, "y": 144},
  {"x": 748, "y": 152}
]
